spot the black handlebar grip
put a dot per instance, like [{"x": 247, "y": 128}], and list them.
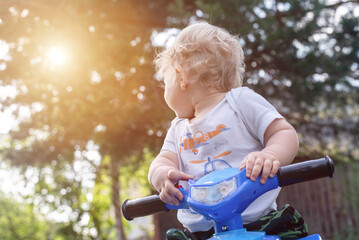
[
  {"x": 142, "y": 207},
  {"x": 305, "y": 171}
]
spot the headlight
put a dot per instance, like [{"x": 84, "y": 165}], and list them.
[{"x": 215, "y": 193}]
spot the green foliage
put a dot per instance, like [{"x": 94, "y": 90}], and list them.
[
  {"x": 134, "y": 181},
  {"x": 19, "y": 221},
  {"x": 135, "y": 173},
  {"x": 101, "y": 202},
  {"x": 103, "y": 92},
  {"x": 60, "y": 188},
  {"x": 134, "y": 184}
]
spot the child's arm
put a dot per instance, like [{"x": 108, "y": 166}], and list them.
[
  {"x": 164, "y": 174},
  {"x": 281, "y": 146}
]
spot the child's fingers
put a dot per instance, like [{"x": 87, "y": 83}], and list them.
[
  {"x": 257, "y": 163},
  {"x": 257, "y": 168},
  {"x": 168, "y": 198},
  {"x": 243, "y": 164},
  {"x": 267, "y": 167},
  {"x": 173, "y": 191},
  {"x": 185, "y": 176},
  {"x": 275, "y": 168},
  {"x": 170, "y": 194},
  {"x": 249, "y": 166},
  {"x": 175, "y": 176}
]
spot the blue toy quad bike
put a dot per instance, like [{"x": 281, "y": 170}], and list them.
[{"x": 223, "y": 195}]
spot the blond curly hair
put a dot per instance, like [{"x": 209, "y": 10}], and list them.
[{"x": 209, "y": 53}]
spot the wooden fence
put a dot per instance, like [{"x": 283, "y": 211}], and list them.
[{"x": 329, "y": 206}]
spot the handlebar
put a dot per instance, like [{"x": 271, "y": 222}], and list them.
[
  {"x": 143, "y": 207},
  {"x": 305, "y": 171},
  {"x": 287, "y": 175}
]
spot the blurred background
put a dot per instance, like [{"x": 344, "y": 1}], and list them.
[{"x": 82, "y": 114}]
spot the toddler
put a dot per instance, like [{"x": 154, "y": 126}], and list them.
[{"x": 218, "y": 124}]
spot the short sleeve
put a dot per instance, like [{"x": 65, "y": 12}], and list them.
[
  {"x": 257, "y": 112},
  {"x": 170, "y": 140}
]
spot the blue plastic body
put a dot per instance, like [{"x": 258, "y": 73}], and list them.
[{"x": 226, "y": 213}]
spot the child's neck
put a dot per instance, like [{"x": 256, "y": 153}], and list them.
[{"x": 205, "y": 101}]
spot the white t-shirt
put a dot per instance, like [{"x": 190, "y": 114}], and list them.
[{"x": 222, "y": 139}]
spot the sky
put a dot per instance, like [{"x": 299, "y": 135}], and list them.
[{"x": 6, "y": 121}]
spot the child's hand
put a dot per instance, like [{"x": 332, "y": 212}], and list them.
[
  {"x": 257, "y": 162},
  {"x": 169, "y": 193}
]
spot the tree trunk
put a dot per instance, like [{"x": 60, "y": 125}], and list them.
[{"x": 120, "y": 235}]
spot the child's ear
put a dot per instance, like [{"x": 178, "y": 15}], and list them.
[
  {"x": 183, "y": 84},
  {"x": 183, "y": 80}
]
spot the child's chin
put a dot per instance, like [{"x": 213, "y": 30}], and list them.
[{"x": 184, "y": 115}]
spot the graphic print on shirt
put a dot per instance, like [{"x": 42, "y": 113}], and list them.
[
  {"x": 213, "y": 163},
  {"x": 200, "y": 139}
]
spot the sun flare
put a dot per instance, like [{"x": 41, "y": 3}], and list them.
[{"x": 57, "y": 55}]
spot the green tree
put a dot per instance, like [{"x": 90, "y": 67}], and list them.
[
  {"x": 83, "y": 70},
  {"x": 19, "y": 221}
]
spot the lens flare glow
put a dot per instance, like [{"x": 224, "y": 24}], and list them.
[{"x": 56, "y": 55}]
